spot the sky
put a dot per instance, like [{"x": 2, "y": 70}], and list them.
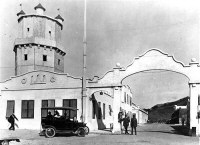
[{"x": 117, "y": 32}]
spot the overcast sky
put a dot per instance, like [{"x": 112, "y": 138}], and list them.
[{"x": 117, "y": 31}]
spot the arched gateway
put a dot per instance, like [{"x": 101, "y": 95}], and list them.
[{"x": 155, "y": 59}]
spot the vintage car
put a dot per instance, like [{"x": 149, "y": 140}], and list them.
[{"x": 53, "y": 123}]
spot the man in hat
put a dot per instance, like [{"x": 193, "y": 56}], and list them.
[
  {"x": 126, "y": 123},
  {"x": 120, "y": 119},
  {"x": 133, "y": 124}
]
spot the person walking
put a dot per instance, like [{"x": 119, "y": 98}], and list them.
[
  {"x": 133, "y": 124},
  {"x": 11, "y": 120},
  {"x": 126, "y": 123}
]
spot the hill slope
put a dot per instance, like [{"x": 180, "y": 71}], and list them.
[{"x": 163, "y": 112}]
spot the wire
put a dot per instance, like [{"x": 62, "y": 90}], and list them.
[{"x": 151, "y": 27}]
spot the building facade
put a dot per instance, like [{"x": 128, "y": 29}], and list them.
[{"x": 40, "y": 81}]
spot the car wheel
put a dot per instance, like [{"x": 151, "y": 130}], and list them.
[
  {"x": 50, "y": 132},
  {"x": 87, "y": 130},
  {"x": 5, "y": 142},
  {"x": 81, "y": 132}
]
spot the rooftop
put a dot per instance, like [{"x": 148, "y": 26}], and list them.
[
  {"x": 40, "y": 6},
  {"x": 21, "y": 13},
  {"x": 59, "y": 17}
]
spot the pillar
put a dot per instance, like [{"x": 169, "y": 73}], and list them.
[
  {"x": 194, "y": 107},
  {"x": 116, "y": 108}
]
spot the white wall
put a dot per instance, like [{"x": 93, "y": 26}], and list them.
[
  {"x": 94, "y": 124},
  {"x": 37, "y": 96}
]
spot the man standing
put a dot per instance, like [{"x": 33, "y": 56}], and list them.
[
  {"x": 120, "y": 120},
  {"x": 126, "y": 123},
  {"x": 11, "y": 120},
  {"x": 183, "y": 121},
  {"x": 133, "y": 124}
]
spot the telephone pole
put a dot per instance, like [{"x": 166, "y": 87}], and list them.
[{"x": 84, "y": 95}]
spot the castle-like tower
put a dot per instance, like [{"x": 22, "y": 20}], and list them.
[{"x": 38, "y": 45}]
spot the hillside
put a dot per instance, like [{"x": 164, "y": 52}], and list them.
[{"x": 163, "y": 112}]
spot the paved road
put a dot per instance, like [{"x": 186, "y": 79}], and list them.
[{"x": 148, "y": 134}]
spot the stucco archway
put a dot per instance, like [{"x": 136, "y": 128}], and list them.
[{"x": 155, "y": 59}]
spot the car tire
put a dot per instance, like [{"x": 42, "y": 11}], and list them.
[
  {"x": 5, "y": 142},
  {"x": 50, "y": 132},
  {"x": 81, "y": 132},
  {"x": 87, "y": 130}
]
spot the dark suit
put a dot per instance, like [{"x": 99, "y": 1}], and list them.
[
  {"x": 126, "y": 124},
  {"x": 133, "y": 125},
  {"x": 12, "y": 121}
]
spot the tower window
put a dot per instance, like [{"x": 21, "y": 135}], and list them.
[
  {"x": 44, "y": 57},
  {"x": 58, "y": 61},
  {"x": 28, "y": 29},
  {"x": 50, "y": 34},
  {"x": 25, "y": 56}
]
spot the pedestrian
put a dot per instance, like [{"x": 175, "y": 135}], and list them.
[
  {"x": 11, "y": 120},
  {"x": 120, "y": 120},
  {"x": 183, "y": 121},
  {"x": 126, "y": 123},
  {"x": 133, "y": 124}
]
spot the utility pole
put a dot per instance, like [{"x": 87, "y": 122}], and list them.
[{"x": 84, "y": 67}]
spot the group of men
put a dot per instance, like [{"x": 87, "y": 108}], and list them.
[{"x": 126, "y": 121}]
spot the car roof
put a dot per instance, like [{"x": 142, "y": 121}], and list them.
[{"x": 60, "y": 108}]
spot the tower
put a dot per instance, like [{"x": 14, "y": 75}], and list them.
[{"x": 38, "y": 45}]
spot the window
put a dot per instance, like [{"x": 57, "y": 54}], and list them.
[
  {"x": 70, "y": 103},
  {"x": 44, "y": 57},
  {"x": 25, "y": 56},
  {"x": 124, "y": 97},
  {"x": 110, "y": 110},
  {"x": 10, "y": 108},
  {"x": 130, "y": 101},
  {"x": 47, "y": 103},
  {"x": 99, "y": 110},
  {"x": 27, "y": 108},
  {"x": 49, "y": 34},
  {"x": 93, "y": 109},
  {"x": 58, "y": 61},
  {"x": 104, "y": 109},
  {"x": 199, "y": 100},
  {"x": 127, "y": 99}
]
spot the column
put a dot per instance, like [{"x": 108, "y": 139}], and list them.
[
  {"x": 193, "y": 107},
  {"x": 116, "y": 108}
]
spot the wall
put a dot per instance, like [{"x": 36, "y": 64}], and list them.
[
  {"x": 37, "y": 96},
  {"x": 39, "y": 27},
  {"x": 126, "y": 105},
  {"x": 102, "y": 95},
  {"x": 58, "y": 68},
  {"x": 37, "y": 36}
]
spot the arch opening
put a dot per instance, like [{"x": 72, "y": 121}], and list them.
[{"x": 152, "y": 87}]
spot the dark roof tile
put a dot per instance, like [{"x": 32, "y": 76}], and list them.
[
  {"x": 40, "y": 6},
  {"x": 21, "y": 13},
  {"x": 59, "y": 17}
]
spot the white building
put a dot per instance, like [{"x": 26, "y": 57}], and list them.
[{"x": 40, "y": 80}]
